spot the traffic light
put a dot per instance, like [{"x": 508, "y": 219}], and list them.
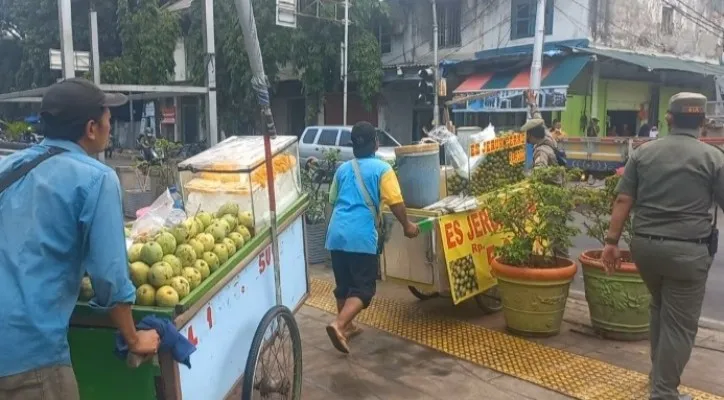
[{"x": 426, "y": 86}]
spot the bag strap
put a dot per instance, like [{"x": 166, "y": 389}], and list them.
[
  {"x": 15, "y": 175},
  {"x": 365, "y": 193}
]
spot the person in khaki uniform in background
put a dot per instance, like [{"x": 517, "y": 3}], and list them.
[
  {"x": 538, "y": 135},
  {"x": 670, "y": 184}
]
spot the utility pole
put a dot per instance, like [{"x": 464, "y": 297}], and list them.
[
  {"x": 67, "y": 56},
  {"x": 95, "y": 59},
  {"x": 95, "y": 52},
  {"x": 436, "y": 67},
  {"x": 344, "y": 61},
  {"x": 212, "y": 127},
  {"x": 537, "y": 64}
]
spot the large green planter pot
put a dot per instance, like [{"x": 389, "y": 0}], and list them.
[
  {"x": 534, "y": 299},
  {"x": 618, "y": 303}
]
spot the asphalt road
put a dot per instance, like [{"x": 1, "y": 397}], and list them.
[{"x": 714, "y": 299}]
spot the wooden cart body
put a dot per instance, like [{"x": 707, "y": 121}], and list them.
[{"x": 220, "y": 319}]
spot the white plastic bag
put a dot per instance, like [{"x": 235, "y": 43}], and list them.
[
  {"x": 486, "y": 134},
  {"x": 483, "y": 136},
  {"x": 453, "y": 149},
  {"x": 160, "y": 214}
]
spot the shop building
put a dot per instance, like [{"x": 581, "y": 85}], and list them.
[{"x": 618, "y": 61}]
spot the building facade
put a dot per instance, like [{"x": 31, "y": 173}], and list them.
[{"x": 616, "y": 60}]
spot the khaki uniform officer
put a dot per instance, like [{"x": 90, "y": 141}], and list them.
[
  {"x": 537, "y": 134},
  {"x": 670, "y": 184}
]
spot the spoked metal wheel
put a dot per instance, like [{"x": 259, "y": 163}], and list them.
[
  {"x": 422, "y": 294},
  {"x": 274, "y": 367},
  {"x": 489, "y": 301}
]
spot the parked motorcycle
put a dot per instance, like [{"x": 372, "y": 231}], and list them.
[{"x": 146, "y": 145}]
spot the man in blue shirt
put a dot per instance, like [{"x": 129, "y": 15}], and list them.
[
  {"x": 59, "y": 221},
  {"x": 358, "y": 190}
]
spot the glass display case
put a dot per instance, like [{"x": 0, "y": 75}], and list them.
[{"x": 234, "y": 171}]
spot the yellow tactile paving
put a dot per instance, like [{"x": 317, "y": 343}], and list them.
[{"x": 564, "y": 372}]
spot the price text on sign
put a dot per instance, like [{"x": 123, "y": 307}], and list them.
[
  {"x": 499, "y": 144},
  {"x": 516, "y": 157},
  {"x": 469, "y": 241}
]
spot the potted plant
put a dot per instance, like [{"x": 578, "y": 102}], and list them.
[
  {"x": 153, "y": 177},
  {"x": 532, "y": 271},
  {"x": 618, "y": 303},
  {"x": 317, "y": 176}
]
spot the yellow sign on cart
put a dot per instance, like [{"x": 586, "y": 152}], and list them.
[{"x": 469, "y": 241}]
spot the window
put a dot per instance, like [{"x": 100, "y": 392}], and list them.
[
  {"x": 345, "y": 138},
  {"x": 328, "y": 137},
  {"x": 448, "y": 24},
  {"x": 522, "y": 22},
  {"x": 667, "y": 20},
  {"x": 309, "y": 136},
  {"x": 384, "y": 37}
]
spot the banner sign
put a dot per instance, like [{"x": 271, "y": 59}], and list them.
[
  {"x": 513, "y": 100},
  {"x": 509, "y": 142},
  {"x": 469, "y": 241}
]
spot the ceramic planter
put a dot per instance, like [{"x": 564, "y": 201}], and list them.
[
  {"x": 534, "y": 299},
  {"x": 619, "y": 303}
]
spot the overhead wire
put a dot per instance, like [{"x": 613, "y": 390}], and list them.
[
  {"x": 462, "y": 29},
  {"x": 716, "y": 31},
  {"x": 700, "y": 16}
]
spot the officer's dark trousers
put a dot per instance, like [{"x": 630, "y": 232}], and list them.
[{"x": 675, "y": 273}]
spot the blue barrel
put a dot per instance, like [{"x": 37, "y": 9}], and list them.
[{"x": 418, "y": 170}]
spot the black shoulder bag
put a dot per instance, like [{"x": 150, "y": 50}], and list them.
[{"x": 16, "y": 174}]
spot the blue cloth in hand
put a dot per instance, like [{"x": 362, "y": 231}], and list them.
[{"x": 171, "y": 340}]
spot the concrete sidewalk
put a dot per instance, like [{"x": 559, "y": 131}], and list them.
[
  {"x": 405, "y": 358},
  {"x": 385, "y": 367}
]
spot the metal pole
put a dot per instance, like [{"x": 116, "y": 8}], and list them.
[
  {"x": 537, "y": 65},
  {"x": 261, "y": 85},
  {"x": 436, "y": 68},
  {"x": 67, "y": 56},
  {"x": 95, "y": 60},
  {"x": 95, "y": 52},
  {"x": 346, "y": 65},
  {"x": 212, "y": 127}
]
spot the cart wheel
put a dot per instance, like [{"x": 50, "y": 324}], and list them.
[
  {"x": 274, "y": 367},
  {"x": 489, "y": 301},
  {"x": 421, "y": 295}
]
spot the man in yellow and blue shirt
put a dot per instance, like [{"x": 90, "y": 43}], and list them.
[{"x": 357, "y": 192}]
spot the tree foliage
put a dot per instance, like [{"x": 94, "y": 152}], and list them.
[
  {"x": 148, "y": 38},
  {"x": 312, "y": 50},
  {"x": 35, "y": 30},
  {"x": 236, "y": 98},
  {"x": 135, "y": 36}
]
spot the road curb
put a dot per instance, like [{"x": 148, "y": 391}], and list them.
[{"x": 706, "y": 323}]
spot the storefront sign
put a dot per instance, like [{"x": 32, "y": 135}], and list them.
[
  {"x": 168, "y": 115},
  {"x": 513, "y": 100},
  {"x": 469, "y": 241}
]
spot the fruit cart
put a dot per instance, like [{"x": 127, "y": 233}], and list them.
[
  {"x": 223, "y": 300},
  {"x": 453, "y": 252}
]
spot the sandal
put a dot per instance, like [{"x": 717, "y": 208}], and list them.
[{"x": 339, "y": 341}]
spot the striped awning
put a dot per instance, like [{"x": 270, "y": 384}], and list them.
[{"x": 555, "y": 73}]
